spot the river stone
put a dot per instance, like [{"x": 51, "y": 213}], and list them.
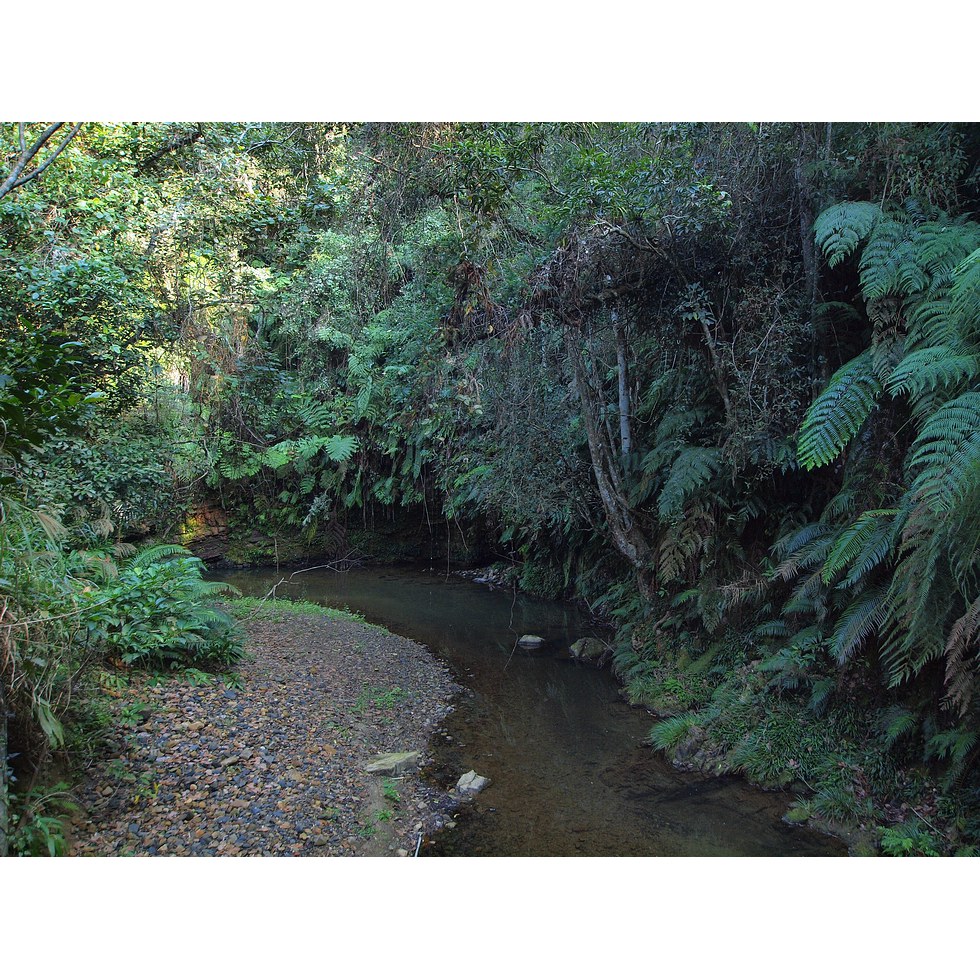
[
  {"x": 392, "y": 763},
  {"x": 471, "y": 783},
  {"x": 589, "y": 649},
  {"x": 530, "y": 640}
]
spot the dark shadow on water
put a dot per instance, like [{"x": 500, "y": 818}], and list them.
[{"x": 570, "y": 773}]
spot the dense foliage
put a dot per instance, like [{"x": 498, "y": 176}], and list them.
[{"x": 720, "y": 381}]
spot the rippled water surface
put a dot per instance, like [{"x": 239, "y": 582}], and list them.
[{"x": 570, "y": 772}]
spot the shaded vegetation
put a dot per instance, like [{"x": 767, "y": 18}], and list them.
[{"x": 722, "y": 382}]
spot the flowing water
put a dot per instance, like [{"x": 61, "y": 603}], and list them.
[{"x": 570, "y": 773}]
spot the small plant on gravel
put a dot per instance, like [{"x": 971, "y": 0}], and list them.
[
  {"x": 111, "y": 683},
  {"x": 135, "y": 714},
  {"x": 147, "y": 788},
  {"x": 367, "y": 831},
  {"x": 389, "y": 790},
  {"x": 387, "y": 700},
  {"x": 383, "y": 700},
  {"x": 233, "y": 680},
  {"x": 382, "y": 816},
  {"x": 197, "y": 677}
]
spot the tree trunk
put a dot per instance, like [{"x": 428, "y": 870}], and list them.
[
  {"x": 627, "y": 537},
  {"x": 625, "y": 439}
]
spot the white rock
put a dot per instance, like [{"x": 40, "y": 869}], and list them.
[{"x": 471, "y": 783}]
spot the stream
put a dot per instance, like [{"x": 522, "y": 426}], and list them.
[{"x": 569, "y": 768}]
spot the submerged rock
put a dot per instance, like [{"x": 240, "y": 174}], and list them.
[
  {"x": 471, "y": 783},
  {"x": 530, "y": 640},
  {"x": 590, "y": 650}
]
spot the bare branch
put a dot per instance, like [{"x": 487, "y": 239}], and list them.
[{"x": 15, "y": 180}]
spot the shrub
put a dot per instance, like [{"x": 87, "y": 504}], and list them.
[{"x": 158, "y": 611}]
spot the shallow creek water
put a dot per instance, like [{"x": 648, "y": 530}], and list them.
[{"x": 570, "y": 773}]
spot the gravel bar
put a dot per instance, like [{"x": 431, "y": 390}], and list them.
[{"x": 273, "y": 763}]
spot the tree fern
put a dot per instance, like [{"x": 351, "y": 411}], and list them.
[
  {"x": 862, "y": 619},
  {"x": 965, "y": 292},
  {"x": 838, "y": 412},
  {"x": 692, "y": 469},
  {"x": 960, "y": 649},
  {"x": 890, "y": 262},
  {"x": 945, "y": 456},
  {"x": 841, "y": 228},
  {"x": 931, "y": 368},
  {"x": 863, "y": 546}
]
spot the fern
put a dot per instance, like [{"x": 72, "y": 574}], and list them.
[
  {"x": 946, "y": 454},
  {"x": 838, "y": 412},
  {"x": 898, "y": 721},
  {"x": 840, "y": 229},
  {"x": 693, "y": 468},
  {"x": 864, "y": 545},
  {"x": 889, "y": 263},
  {"x": 862, "y": 619},
  {"x": 960, "y": 675},
  {"x": 341, "y": 448},
  {"x": 158, "y": 553},
  {"x": 931, "y": 368}
]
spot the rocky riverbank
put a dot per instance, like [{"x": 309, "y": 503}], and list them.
[{"x": 273, "y": 760}]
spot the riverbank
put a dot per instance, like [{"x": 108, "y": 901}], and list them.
[{"x": 271, "y": 760}]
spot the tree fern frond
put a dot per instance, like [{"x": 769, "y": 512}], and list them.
[
  {"x": 932, "y": 323},
  {"x": 889, "y": 262},
  {"x": 946, "y": 454},
  {"x": 944, "y": 245},
  {"x": 864, "y": 545},
  {"x": 839, "y": 229},
  {"x": 929, "y": 368},
  {"x": 965, "y": 292},
  {"x": 960, "y": 675},
  {"x": 158, "y": 553},
  {"x": 862, "y": 619},
  {"x": 693, "y": 468},
  {"x": 838, "y": 412},
  {"x": 793, "y": 542}
]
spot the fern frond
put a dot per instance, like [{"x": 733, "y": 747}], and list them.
[
  {"x": 862, "y": 618},
  {"x": 838, "y": 412},
  {"x": 932, "y": 323},
  {"x": 158, "y": 553},
  {"x": 898, "y": 721},
  {"x": 946, "y": 454},
  {"x": 960, "y": 675},
  {"x": 889, "y": 263},
  {"x": 692, "y": 469},
  {"x": 840, "y": 229},
  {"x": 864, "y": 545},
  {"x": 965, "y": 292},
  {"x": 341, "y": 448},
  {"x": 930, "y": 368}
]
